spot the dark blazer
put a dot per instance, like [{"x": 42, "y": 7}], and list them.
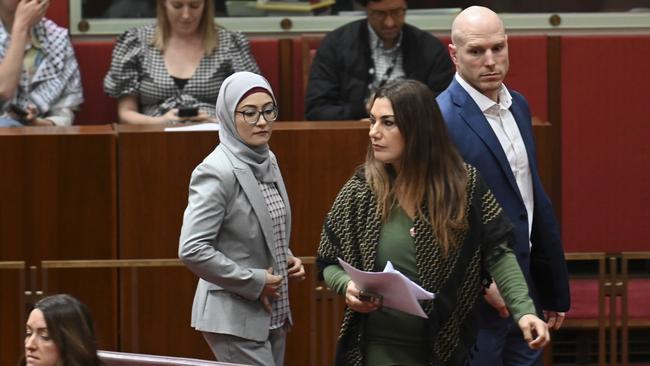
[
  {"x": 340, "y": 74},
  {"x": 543, "y": 265}
]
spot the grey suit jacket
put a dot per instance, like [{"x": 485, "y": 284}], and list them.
[{"x": 227, "y": 240}]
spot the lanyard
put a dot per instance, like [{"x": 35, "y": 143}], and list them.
[
  {"x": 389, "y": 70},
  {"x": 387, "y": 73}
]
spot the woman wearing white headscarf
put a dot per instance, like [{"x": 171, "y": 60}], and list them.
[{"x": 236, "y": 230}]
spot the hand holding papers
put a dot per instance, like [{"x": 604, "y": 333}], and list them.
[{"x": 397, "y": 290}]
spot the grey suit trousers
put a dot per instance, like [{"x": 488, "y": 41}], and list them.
[{"x": 229, "y": 348}]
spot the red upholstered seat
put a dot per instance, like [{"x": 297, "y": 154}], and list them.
[
  {"x": 267, "y": 54},
  {"x": 588, "y": 294},
  {"x": 94, "y": 58},
  {"x": 638, "y": 292},
  {"x": 304, "y": 50},
  {"x": 584, "y": 299},
  {"x": 614, "y": 286},
  {"x": 528, "y": 73},
  {"x": 137, "y": 359}
]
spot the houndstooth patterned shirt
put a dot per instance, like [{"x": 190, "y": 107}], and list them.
[
  {"x": 278, "y": 213},
  {"x": 54, "y": 83},
  {"x": 138, "y": 68}
]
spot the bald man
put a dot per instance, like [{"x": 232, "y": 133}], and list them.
[{"x": 491, "y": 127}]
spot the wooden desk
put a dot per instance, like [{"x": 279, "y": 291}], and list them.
[
  {"x": 316, "y": 158},
  {"x": 154, "y": 169},
  {"x": 58, "y": 202}
]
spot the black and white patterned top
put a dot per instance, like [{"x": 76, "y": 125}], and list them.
[
  {"x": 278, "y": 213},
  {"x": 53, "y": 86},
  {"x": 138, "y": 68}
]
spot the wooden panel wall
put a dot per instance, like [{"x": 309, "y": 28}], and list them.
[
  {"x": 58, "y": 202},
  {"x": 12, "y": 316},
  {"x": 154, "y": 172},
  {"x": 605, "y": 134},
  {"x": 58, "y": 11},
  {"x": 528, "y": 73},
  {"x": 153, "y": 177}
]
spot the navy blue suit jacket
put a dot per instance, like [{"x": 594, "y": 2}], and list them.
[{"x": 543, "y": 265}]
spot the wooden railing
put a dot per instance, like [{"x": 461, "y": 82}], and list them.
[
  {"x": 324, "y": 306},
  {"x": 610, "y": 288},
  {"x": 604, "y": 284}
]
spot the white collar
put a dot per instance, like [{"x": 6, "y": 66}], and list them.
[{"x": 484, "y": 103}]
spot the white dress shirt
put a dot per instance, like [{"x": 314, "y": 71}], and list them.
[{"x": 505, "y": 128}]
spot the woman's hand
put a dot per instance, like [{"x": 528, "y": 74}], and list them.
[
  {"x": 535, "y": 331},
  {"x": 270, "y": 290},
  {"x": 29, "y": 13},
  {"x": 170, "y": 117},
  {"x": 202, "y": 117},
  {"x": 352, "y": 300},
  {"x": 32, "y": 118},
  {"x": 296, "y": 269}
]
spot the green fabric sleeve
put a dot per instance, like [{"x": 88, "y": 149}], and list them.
[
  {"x": 336, "y": 278},
  {"x": 505, "y": 271}
]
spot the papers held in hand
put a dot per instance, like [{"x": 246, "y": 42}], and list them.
[{"x": 397, "y": 290}]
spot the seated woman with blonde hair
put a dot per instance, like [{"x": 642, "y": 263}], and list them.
[
  {"x": 172, "y": 70},
  {"x": 59, "y": 331}
]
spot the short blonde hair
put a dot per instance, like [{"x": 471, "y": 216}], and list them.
[{"x": 207, "y": 27}]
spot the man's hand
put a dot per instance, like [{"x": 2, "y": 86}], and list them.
[
  {"x": 493, "y": 297},
  {"x": 554, "y": 319},
  {"x": 535, "y": 331},
  {"x": 296, "y": 270}
]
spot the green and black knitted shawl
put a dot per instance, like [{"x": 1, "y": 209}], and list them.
[{"x": 351, "y": 232}]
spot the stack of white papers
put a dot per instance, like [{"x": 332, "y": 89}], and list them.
[{"x": 398, "y": 291}]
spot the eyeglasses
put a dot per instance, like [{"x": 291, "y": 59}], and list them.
[
  {"x": 381, "y": 15},
  {"x": 252, "y": 116}
]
